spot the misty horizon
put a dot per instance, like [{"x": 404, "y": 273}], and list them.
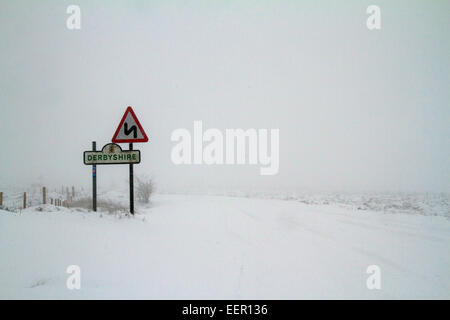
[{"x": 356, "y": 110}]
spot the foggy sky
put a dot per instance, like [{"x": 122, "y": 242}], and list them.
[{"x": 357, "y": 110}]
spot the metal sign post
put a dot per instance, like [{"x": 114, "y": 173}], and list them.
[
  {"x": 131, "y": 185},
  {"x": 94, "y": 181}
]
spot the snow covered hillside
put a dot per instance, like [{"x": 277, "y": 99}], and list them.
[{"x": 211, "y": 247}]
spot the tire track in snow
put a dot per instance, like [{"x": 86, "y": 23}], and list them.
[
  {"x": 332, "y": 241},
  {"x": 247, "y": 245},
  {"x": 395, "y": 229}
]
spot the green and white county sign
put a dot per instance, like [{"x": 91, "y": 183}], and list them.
[{"x": 112, "y": 154}]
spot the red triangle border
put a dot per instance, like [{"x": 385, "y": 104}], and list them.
[{"x": 115, "y": 140}]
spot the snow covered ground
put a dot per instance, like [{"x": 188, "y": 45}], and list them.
[{"x": 216, "y": 247}]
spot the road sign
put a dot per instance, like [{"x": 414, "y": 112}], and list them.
[
  {"x": 129, "y": 129},
  {"x": 111, "y": 154}
]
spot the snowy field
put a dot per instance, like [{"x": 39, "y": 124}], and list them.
[{"x": 218, "y": 247}]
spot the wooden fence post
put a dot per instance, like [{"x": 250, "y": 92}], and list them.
[
  {"x": 73, "y": 192},
  {"x": 1, "y": 198},
  {"x": 51, "y": 200},
  {"x": 24, "y": 200},
  {"x": 44, "y": 200}
]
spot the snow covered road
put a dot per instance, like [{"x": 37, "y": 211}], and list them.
[{"x": 208, "y": 247}]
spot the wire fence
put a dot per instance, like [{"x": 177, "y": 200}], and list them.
[{"x": 16, "y": 199}]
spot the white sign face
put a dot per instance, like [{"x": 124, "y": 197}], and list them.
[
  {"x": 129, "y": 130},
  {"x": 112, "y": 154}
]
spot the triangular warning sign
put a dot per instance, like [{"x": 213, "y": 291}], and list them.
[{"x": 129, "y": 129}]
